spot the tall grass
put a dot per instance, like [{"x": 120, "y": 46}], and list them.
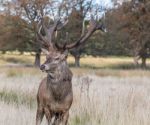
[
  {"x": 107, "y": 91},
  {"x": 97, "y": 100}
]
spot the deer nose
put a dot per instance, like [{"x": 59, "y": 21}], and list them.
[{"x": 42, "y": 67}]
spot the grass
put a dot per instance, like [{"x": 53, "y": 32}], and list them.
[
  {"x": 100, "y": 66},
  {"x": 11, "y": 97},
  {"x": 107, "y": 91},
  {"x": 112, "y": 62},
  {"x": 97, "y": 100},
  {"x": 19, "y": 71},
  {"x": 12, "y": 73},
  {"x": 20, "y": 59}
]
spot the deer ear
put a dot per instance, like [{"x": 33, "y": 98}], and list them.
[{"x": 45, "y": 51}]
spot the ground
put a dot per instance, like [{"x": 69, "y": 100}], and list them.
[{"x": 107, "y": 91}]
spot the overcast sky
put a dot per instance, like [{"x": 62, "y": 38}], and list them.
[{"x": 105, "y": 2}]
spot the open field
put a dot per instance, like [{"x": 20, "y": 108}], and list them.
[
  {"x": 97, "y": 100},
  {"x": 105, "y": 93},
  {"x": 112, "y": 62},
  {"x": 100, "y": 66}
]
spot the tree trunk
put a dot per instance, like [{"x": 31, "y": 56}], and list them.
[
  {"x": 3, "y": 52},
  {"x": 143, "y": 62},
  {"x": 37, "y": 59},
  {"x": 77, "y": 61}
]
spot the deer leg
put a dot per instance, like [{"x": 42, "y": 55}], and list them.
[
  {"x": 65, "y": 117},
  {"x": 57, "y": 119},
  {"x": 39, "y": 116},
  {"x": 61, "y": 119},
  {"x": 48, "y": 115}
]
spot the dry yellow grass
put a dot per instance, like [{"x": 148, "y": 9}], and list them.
[
  {"x": 97, "y": 100},
  {"x": 100, "y": 66},
  {"x": 107, "y": 91},
  {"x": 87, "y": 61},
  {"x": 105, "y": 62}
]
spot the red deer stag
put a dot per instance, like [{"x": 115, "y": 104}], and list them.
[{"x": 55, "y": 94}]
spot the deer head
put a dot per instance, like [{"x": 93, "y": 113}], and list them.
[
  {"x": 53, "y": 60},
  {"x": 56, "y": 54},
  {"x": 54, "y": 57}
]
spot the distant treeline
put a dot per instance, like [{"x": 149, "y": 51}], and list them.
[{"x": 127, "y": 27}]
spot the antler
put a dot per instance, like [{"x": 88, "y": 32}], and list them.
[
  {"x": 46, "y": 39},
  {"x": 93, "y": 26},
  {"x": 48, "y": 32},
  {"x": 61, "y": 25},
  {"x": 58, "y": 25}
]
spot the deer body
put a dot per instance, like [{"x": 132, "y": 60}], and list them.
[{"x": 55, "y": 94}]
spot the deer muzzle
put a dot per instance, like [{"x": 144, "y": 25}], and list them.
[{"x": 42, "y": 67}]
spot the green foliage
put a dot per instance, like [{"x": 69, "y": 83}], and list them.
[
  {"x": 103, "y": 44},
  {"x": 12, "y": 97},
  {"x": 132, "y": 21},
  {"x": 13, "y": 73},
  {"x": 15, "y": 34},
  {"x": 127, "y": 31}
]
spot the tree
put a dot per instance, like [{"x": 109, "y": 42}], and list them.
[
  {"x": 73, "y": 30},
  {"x": 33, "y": 11},
  {"x": 78, "y": 21},
  {"x": 116, "y": 37},
  {"x": 138, "y": 20},
  {"x": 20, "y": 29},
  {"x": 133, "y": 21},
  {"x": 13, "y": 34}
]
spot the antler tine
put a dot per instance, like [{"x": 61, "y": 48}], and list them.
[
  {"x": 51, "y": 30},
  {"x": 44, "y": 27},
  {"x": 61, "y": 25},
  {"x": 42, "y": 38},
  {"x": 92, "y": 28},
  {"x": 46, "y": 39}
]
